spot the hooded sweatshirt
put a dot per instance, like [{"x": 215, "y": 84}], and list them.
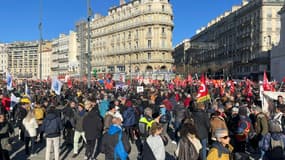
[{"x": 110, "y": 140}]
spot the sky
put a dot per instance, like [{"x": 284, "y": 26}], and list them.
[{"x": 19, "y": 19}]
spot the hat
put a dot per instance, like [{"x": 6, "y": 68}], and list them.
[
  {"x": 221, "y": 132},
  {"x": 25, "y": 100},
  {"x": 242, "y": 111}
]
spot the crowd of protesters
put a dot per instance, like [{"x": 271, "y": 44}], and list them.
[{"x": 231, "y": 125}]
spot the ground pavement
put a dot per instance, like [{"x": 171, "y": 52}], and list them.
[{"x": 66, "y": 153}]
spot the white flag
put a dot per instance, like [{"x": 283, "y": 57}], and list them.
[
  {"x": 9, "y": 81},
  {"x": 56, "y": 86}
]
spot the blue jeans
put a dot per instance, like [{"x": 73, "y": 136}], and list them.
[{"x": 204, "y": 143}]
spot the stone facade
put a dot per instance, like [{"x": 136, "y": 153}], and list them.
[{"x": 135, "y": 37}]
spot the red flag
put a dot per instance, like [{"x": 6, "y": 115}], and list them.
[
  {"x": 189, "y": 79},
  {"x": 232, "y": 88},
  {"x": 248, "y": 88},
  {"x": 69, "y": 83},
  {"x": 203, "y": 94},
  {"x": 266, "y": 85},
  {"x": 284, "y": 79}
]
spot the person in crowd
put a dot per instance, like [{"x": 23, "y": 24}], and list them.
[
  {"x": 279, "y": 115},
  {"x": 273, "y": 142},
  {"x": 156, "y": 143},
  {"x": 243, "y": 131},
  {"x": 189, "y": 146},
  {"x": 109, "y": 116},
  {"x": 217, "y": 120},
  {"x": 261, "y": 125},
  {"x": 280, "y": 100},
  {"x": 31, "y": 126},
  {"x": 129, "y": 116},
  {"x": 201, "y": 119},
  {"x": 6, "y": 130},
  {"x": 79, "y": 115},
  {"x": 115, "y": 144},
  {"x": 221, "y": 148},
  {"x": 39, "y": 112},
  {"x": 52, "y": 127},
  {"x": 92, "y": 127},
  {"x": 180, "y": 113},
  {"x": 20, "y": 114},
  {"x": 68, "y": 122},
  {"x": 104, "y": 106}
]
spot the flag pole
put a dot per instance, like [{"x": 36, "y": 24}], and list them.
[{"x": 280, "y": 86}]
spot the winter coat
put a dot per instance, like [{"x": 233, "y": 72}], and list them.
[
  {"x": 261, "y": 124},
  {"x": 110, "y": 140},
  {"x": 52, "y": 120},
  {"x": 187, "y": 148},
  {"x": 92, "y": 124},
  {"x": 5, "y": 130},
  {"x": 201, "y": 119},
  {"x": 108, "y": 120},
  {"x": 180, "y": 112},
  {"x": 78, "y": 120},
  {"x": 103, "y": 108},
  {"x": 219, "y": 152},
  {"x": 68, "y": 115},
  {"x": 30, "y": 127},
  {"x": 129, "y": 116},
  {"x": 157, "y": 146}
]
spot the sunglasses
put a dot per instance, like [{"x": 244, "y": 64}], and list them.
[{"x": 225, "y": 137}]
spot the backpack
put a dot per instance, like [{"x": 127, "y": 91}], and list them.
[
  {"x": 51, "y": 127},
  {"x": 119, "y": 151},
  {"x": 275, "y": 124},
  {"x": 39, "y": 113},
  {"x": 276, "y": 150},
  {"x": 243, "y": 130}
]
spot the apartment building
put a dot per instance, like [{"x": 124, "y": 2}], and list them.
[
  {"x": 135, "y": 37},
  {"x": 3, "y": 59},
  {"x": 244, "y": 36},
  {"x": 278, "y": 55},
  {"x": 63, "y": 58},
  {"x": 46, "y": 60},
  {"x": 23, "y": 59}
]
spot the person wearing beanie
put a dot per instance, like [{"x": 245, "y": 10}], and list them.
[{"x": 221, "y": 149}]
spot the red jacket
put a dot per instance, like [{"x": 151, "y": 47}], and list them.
[
  {"x": 6, "y": 103},
  {"x": 167, "y": 104},
  {"x": 187, "y": 101}
]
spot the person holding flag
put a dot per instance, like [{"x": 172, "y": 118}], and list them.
[{"x": 203, "y": 93}]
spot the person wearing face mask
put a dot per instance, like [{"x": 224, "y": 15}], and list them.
[{"x": 221, "y": 148}]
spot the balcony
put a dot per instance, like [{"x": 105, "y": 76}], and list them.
[{"x": 62, "y": 60}]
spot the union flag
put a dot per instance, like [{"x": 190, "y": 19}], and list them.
[{"x": 203, "y": 94}]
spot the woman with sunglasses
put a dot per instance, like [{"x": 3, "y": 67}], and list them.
[{"x": 221, "y": 148}]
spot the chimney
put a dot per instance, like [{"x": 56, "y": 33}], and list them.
[{"x": 122, "y": 2}]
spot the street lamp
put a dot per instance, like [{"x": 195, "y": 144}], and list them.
[{"x": 89, "y": 14}]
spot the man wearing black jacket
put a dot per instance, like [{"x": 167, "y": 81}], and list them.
[
  {"x": 92, "y": 127},
  {"x": 202, "y": 123}
]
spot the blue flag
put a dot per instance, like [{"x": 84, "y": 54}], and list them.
[{"x": 56, "y": 86}]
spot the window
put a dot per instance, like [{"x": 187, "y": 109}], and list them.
[
  {"x": 149, "y": 30},
  {"x": 162, "y": 30},
  {"x": 149, "y": 43},
  {"x": 149, "y": 7},
  {"x": 162, "y": 8},
  {"x": 149, "y": 56}
]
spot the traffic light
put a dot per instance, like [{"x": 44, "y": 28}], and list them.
[{"x": 94, "y": 72}]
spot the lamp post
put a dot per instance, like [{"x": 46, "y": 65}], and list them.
[
  {"x": 89, "y": 14},
  {"x": 41, "y": 39}
]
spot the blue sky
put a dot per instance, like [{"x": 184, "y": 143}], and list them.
[{"x": 19, "y": 19}]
